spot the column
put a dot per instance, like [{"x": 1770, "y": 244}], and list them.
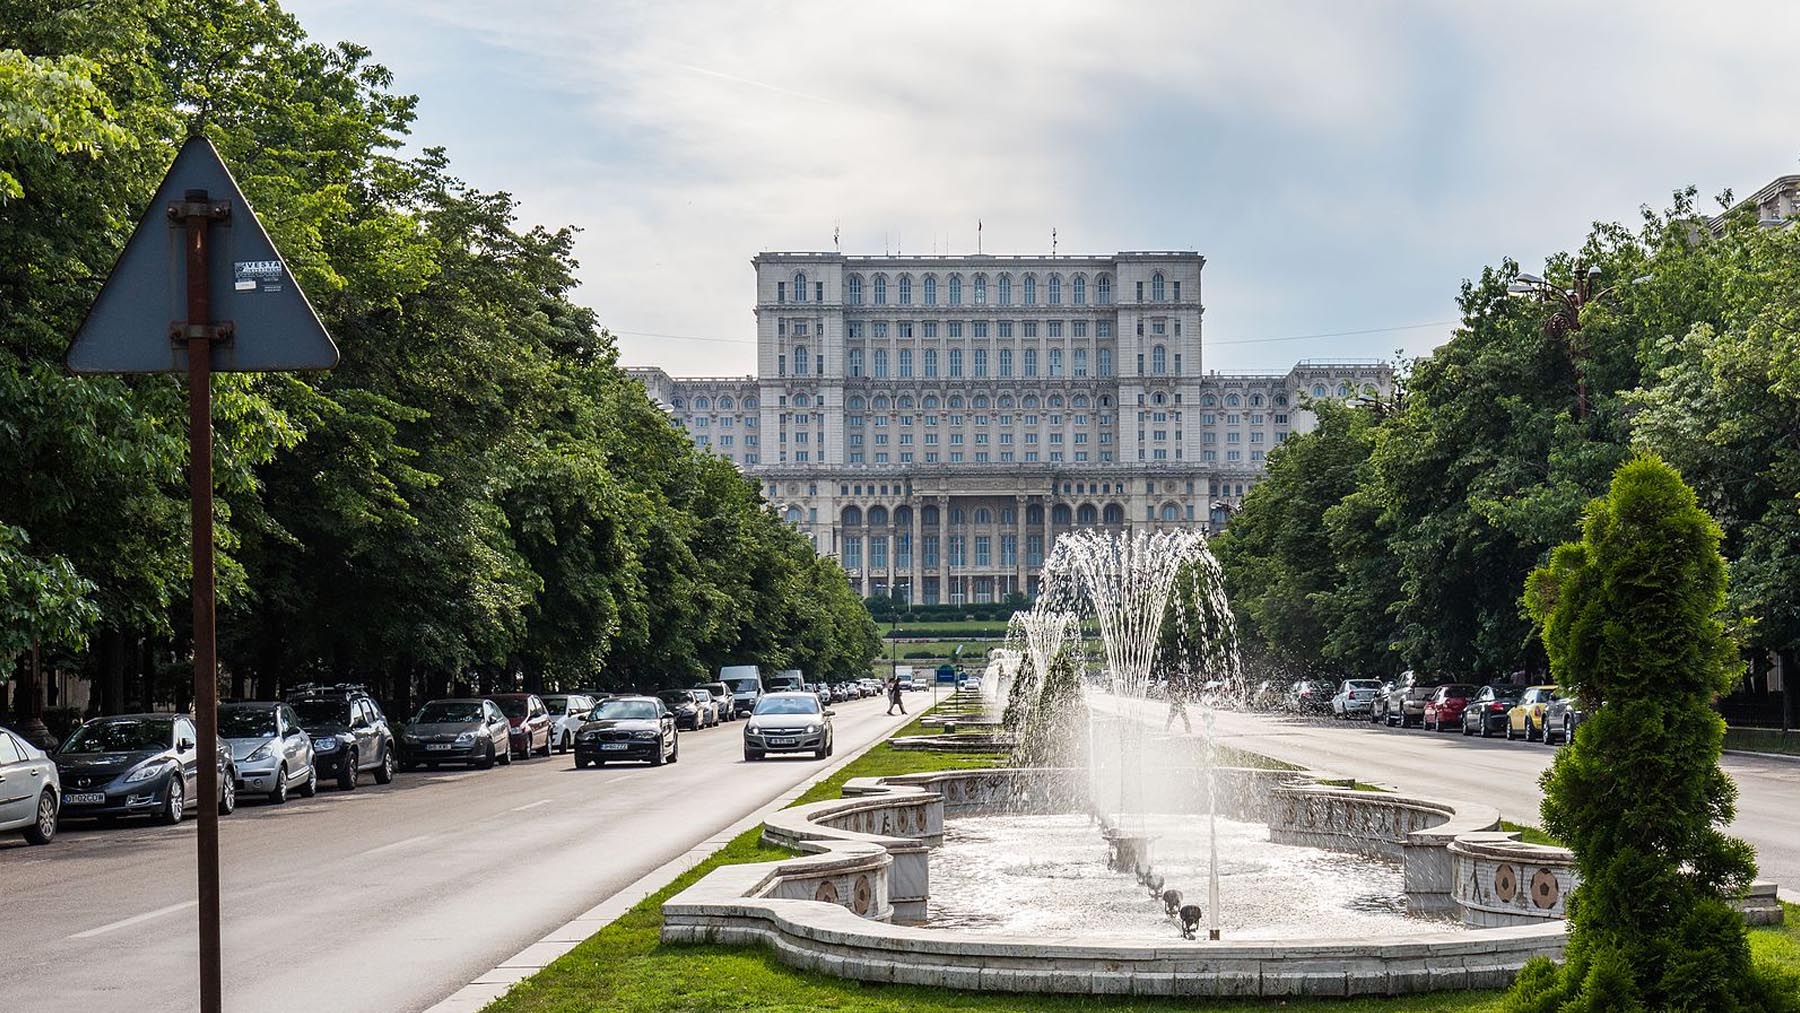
[
  {"x": 893, "y": 549},
  {"x": 917, "y": 594},
  {"x": 1019, "y": 504},
  {"x": 943, "y": 549}
]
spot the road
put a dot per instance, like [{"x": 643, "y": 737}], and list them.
[
  {"x": 1500, "y": 773},
  {"x": 382, "y": 899}
]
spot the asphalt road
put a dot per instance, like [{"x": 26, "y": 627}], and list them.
[
  {"x": 1500, "y": 773},
  {"x": 382, "y": 899}
]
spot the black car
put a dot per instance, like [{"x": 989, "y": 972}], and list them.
[
  {"x": 682, "y": 704},
  {"x": 349, "y": 733},
  {"x": 1487, "y": 712},
  {"x": 138, "y": 765},
  {"x": 629, "y": 728}
]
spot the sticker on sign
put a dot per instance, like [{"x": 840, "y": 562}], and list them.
[{"x": 247, "y": 275}]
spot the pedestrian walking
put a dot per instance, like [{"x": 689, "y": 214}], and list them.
[
  {"x": 1178, "y": 706},
  {"x": 894, "y": 698}
]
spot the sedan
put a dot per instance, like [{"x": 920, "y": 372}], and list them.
[
  {"x": 1526, "y": 719},
  {"x": 629, "y": 728},
  {"x": 787, "y": 723},
  {"x": 1561, "y": 718},
  {"x": 1486, "y": 713},
  {"x": 528, "y": 723},
  {"x": 686, "y": 709},
  {"x": 1446, "y": 705},
  {"x": 30, "y": 791},
  {"x": 138, "y": 765},
  {"x": 568, "y": 712},
  {"x": 468, "y": 731},
  {"x": 1308, "y": 697},
  {"x": 273, "y": 753},
  {"x": 1355, "y": 696}
]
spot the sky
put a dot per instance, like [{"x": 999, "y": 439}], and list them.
[{"x": 1343, "y": 166}]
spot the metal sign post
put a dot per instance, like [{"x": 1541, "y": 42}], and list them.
[{"x": 200, "y": 258}]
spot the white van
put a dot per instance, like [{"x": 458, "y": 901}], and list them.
[
  {"x": 745, "y": 683},
  {"x": 786, "y": 680}
]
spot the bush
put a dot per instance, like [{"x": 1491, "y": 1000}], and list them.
[{"x": 1629, "y": 616}]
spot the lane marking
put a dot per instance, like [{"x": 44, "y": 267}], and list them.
[
  {"x": 125, "y": 923},
  {"x": 532, "y": 805},
  {"x": 397, "y": 844}
]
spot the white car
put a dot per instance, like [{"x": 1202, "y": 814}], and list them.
[
  {"x": 273, "y": 753},
  {"x": 30, "y": 790},
  {"x": 568, "y": 712},
  {"x": 1355, "y": 696}
]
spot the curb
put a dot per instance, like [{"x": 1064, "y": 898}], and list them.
[
  {"x": 1789, "y": 757},
  {"x": 495, "y": 983}
]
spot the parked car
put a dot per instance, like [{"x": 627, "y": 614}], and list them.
[
  {"x": 349, "y": 734},
  {"x": 528, "y": 722},
  {"x": 274, "y": 755},
  {"x": 787, "y": 723},
  {"x": 464, "y": 730},
  {"x": 138, "y": 765},
  {"x": 1308, "y": 696},
  {"x": 568, "y": 712},
  {"x": 721, "y": 695},
  {"x": 1526, "y": 719},
  {"x": 709, "y": 706},
  {"x": 1562, "y": 717},
  {"x": 1269, "y": 695},
  {"x": 745, "y": 683},
  {"x": 1354, "y": 696},
  {"x": 1486, "y": 713},
  {"x": 629, "y": 728},
  {"x": 30, "y": 790},
  {"x": 1406, "y": 701},
  {"x": 1378, "y": 707},
  {"x": 1446, "y": 705},
  {"x": 907, "y": 684},
  {"x": 686, "y": 709}
]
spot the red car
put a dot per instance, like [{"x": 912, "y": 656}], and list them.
[
  {"x": 1446, "y": 706},
  {"x": 529, "y": 720}
]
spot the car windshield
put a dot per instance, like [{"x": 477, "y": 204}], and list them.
[
  {"x": 1364, "y": 684},
  {"x": 1458, "y": 691},
  {"x": 626, "y": 710},
  {"x": 512, "y": 706},
  {"x": 788, "y": 705},
  {"x": 446, "y": 712},
  {"x": 742, "y": 685},
  {"x": 557, "y": 704},
  {"x": 121, "y": 735},
  {"x": 247, "y": 722},
  {"x": 317, "y": 712},
  {"x": 675, "y": 698}
]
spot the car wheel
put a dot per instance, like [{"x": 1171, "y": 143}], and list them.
[
  {"x": 43, "y": 829},
  {"x": 830, "y": 746},
  {"x": 409, "y": 765},
  {"x": 546, "y": 750},
  {"x": 174, "y": 802},
  {"x": 1568, "y": 734},
  {"x": 1509, "y": 731},
  {"x": 311, "y": 787},
  {"x": 580, "y": 763},
  {"x": 227, "y": 794},
  {"x": 751, "y": 756},
  {"x": 384, "y": 774},
  {"x": 1528, "y": 735},
  {"x": 675, "y": 753},
  {"x": 658, "y": 759},
  {"x": 1465, "y": 727},
  {"x": 278, "y": 794},
  {"x": 566, "y": 744},
  {"x": 347, "y": 777},
  {"x": 487, "y": 758},
  {"x": 506, "y": 756}
]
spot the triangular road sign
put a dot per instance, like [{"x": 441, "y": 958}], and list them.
[{"x": 272, "y": 326}]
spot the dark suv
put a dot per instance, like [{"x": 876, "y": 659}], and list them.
[{"x": 349, "y": 733}]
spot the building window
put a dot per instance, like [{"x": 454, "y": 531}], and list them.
[
  {"x": 1056, "y": 362},
  {"x": 881, "y": 290},
  {"x": 981, "y": 290},
  {"x": 903, "y": 550},
  {"x": 1106, "y": 363},
  {"x": 906, "y": 290},
  {"x": 1006, "y": 290},
  {"x": 878, "y": 552},
  {"x": 1156, "y": 287},
  {"x": 1031, "y": 290},
  {"x": 881, "y": 363},
  {"x": 781, "y": 291},
  {"x": 856, "y": 290},
  {"x": 855, "y": 361},
  {"x": 1140, "y": 291},
  {"x": 1006, "y": 362},
  {"x": 984, "y": 555},
  {"x": 906, "y": 364},
  {"x": 1103, "y": 290},
  {"x": 1055, "y": 290},
  {"x": 930, "y": 291},
  {"x": 1159, "y": 360},
  {"x": 802, "y": 360},
  {"x": 955, "y": 361},
  {"x": 799, "y": 286},
  {"x": 1030, "y": 362},
  {"x": 1081, "y": 362},
  {"x": 1079, "y": 286},
  {"x": 930, "y": 361},
  {"x": 981, "y": 362},
  {"x": 955, "y": 290}
]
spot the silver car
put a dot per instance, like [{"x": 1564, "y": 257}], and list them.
[
  {"x": 274, "y": 754},
  {"x": 568, "y": 711},
  {"x": 30, "y": 790},
  {"x": 787, "y": 723}
]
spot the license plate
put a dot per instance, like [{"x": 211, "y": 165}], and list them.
[
  {"x": 84, "y": 798},
  {"x": 438, "y": 747},
  {"x": 782, "y": 742},
  {"x": 615, "y": 745}
]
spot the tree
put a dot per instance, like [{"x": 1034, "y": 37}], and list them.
[{"x": 1629, "y": 617}]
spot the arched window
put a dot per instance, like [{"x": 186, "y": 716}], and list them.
[
  {"x": 802, "y": 401},
  {"x": 1059, "y": 514},
  {"x": 956, "y": 290},
  {"x": 881, "y": 290},
  {"x": 856, "y": 401},
  {"x": 750, "y": 402},
  {"x": 1318, "y": 390},
  {"x": 1006, "y": 290},
  {"x": 956, "y": 515},
  {"x": 855, "y": 361},
  {"x": 1159, "y": 398},
  {"x": 906, "y": 290},
  {"x": 903, "y": 516},
  {"x": 981, "y": 401},
  {"x": 930, "y": 290},
  {"x": 1256, "y": 400},
  {"x": 1055, "y": 401},
  {"x": 983, "y": 515},
  {"x": 801, "y": 360},
  {"x": 1159, "y": 360},
  {"x": 1034, "y": 514},
  {"x": 1156, "y": 287},
  {"x": 675, "y": 402},
  {"x": 1103, "y": 290},
  {"x": 1281, "y": 400},
  {"x": 701, "y": 404},
  {"x": 956, "y": 401},
  {"x": 1030, "y": 401},
  {"x": 1115, "y": 514},
  {"x": 928, "y": 515},
  {"x": 981, "y": 290},
  {"x": 725, "y": 401},
  {"x": 1343, "y": 390},
  {"x": 799, "y": 286},
  {"x": 856, "y": 292},
  {"x": 878, "y": 516},
  {"x": 1231, "y": 400},
  {"x": 852, "y": 516},
  {"x": 1031, "y": 290},
  {"x": 1171, "y": 512},
  {"x": 931, "y": 401},
  {"x": 881, "y": 404},
  {"x": 1080, "y": 290},
  {"x": 1005, "y": 401},
  {"x": 1056, "y": 290},
  {"x": 903, "y": 401},
  {"x": 1209, "y": 401},
  {"x": 1087, "y": 515},
  {"x": 793, "y": 515},
  {"x": 1008, "y": 515}
]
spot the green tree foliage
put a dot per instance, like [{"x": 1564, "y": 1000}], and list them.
[
  {"x": 476, "y": 494},
  {"x": 1630, "y": 619}
]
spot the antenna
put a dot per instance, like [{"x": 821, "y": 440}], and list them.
[{"x": 1052, "y": 242}]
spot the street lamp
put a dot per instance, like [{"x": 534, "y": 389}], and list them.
[{"x": 1565, "y": 320}]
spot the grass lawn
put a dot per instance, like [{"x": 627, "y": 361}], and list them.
[
  {"x": 625, "y": 968},
  {"x": 1530, "y": 834},
  {"x": 1763, "y": 740}
]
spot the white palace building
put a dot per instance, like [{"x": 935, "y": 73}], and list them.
[{"x": 936, "y": 421}]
